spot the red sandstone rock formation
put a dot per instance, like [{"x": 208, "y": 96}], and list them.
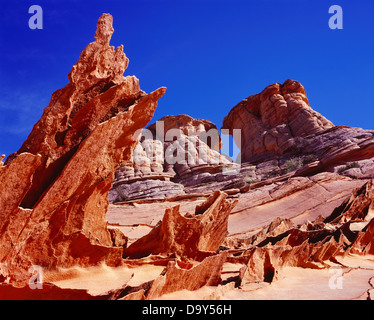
[
  {"x": 176, "y": 276},
  {"x": 349, "y": 229},
  {"x": 188, "y": 126},
  {"x": 291, "y": 185},
  {"x": 273, "y": 120},
  {"x": 190, "y": 236},
  {"x": 54, "y": 205},
  {"x": 279, "y": 121},
  {"x": 56, "y": 197},
  {"x": 264, "y": 256},
  {"x": 358, "y": 212}
]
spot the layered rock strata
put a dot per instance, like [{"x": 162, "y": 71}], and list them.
[
  {"x": 348, "y": 229},
  {"x": 280, "y": 134},
  {"x": 295, "y": 206},
  {"x": 171, "y": 161},
  {"x": 340, "y": 228}
]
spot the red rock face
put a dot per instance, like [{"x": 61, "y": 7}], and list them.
[
  {"x": 273, "y": 120},
  {"x": 359, "y": 208},
  {"x": 190, "y": 236},
  {"x": 54, "y": 206}
]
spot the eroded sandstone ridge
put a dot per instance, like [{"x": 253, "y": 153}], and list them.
[
  {"x": 274, "y": 121},
  {"x": 301, "y": 203},
  {"x": 281, "y": 135},
  {"x": 55, "y": 200},
  {"x": 192, "y": 236}
]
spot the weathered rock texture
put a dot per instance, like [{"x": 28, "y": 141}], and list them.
[
  {"x": 280, "y": 134},
  {"x": 178, "y": 276},
  {"x": 347, "y": 230},
  {"x": 172, "y": 160},
  {"x": 274, "y": 120},
  {"x": 189, "y": 236},
  {"x": 312, "y": 223},
  {"x": 56, "y": 197}
]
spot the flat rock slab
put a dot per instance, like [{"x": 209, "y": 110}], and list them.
[{"x": 136, "y": 220}]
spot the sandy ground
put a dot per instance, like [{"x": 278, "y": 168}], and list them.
[
  {"x": 101, "y": 279},
  {"x": 353, "y": 279}
]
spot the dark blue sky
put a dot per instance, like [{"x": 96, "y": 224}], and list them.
[{"x": 210, "y": 54}]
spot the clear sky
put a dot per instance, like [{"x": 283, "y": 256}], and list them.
[{"x": 210, "y": 54}]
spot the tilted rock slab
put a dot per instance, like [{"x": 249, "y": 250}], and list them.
[
  {"x": 192, "y": 236},
  {"x": 56, "y": 196},
  {"x": 173, "y": 161},
  {"x": 178, "y": 276},
  {"x": 280, "y": 134},
  {"x": 359, "y": 208}
]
